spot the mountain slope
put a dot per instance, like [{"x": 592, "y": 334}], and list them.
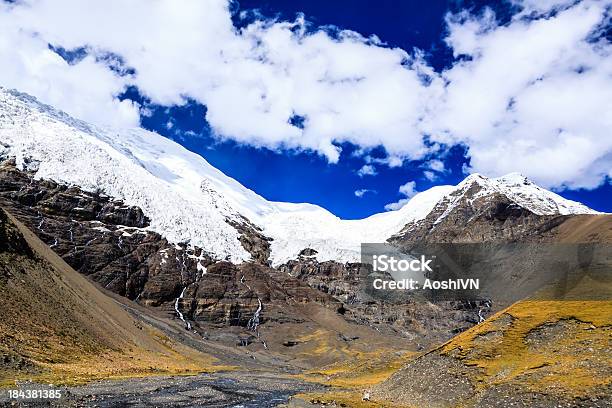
[
  {"x": 547, "y": 350},
  {"x": 535, "y": 353},
  {"x": 481, "y": 209},
  {"x": 156, "y": 178},
  {"x": 188, "y": 200},
  {"x": 56, "y": 326}
]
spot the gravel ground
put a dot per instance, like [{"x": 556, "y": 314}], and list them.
[{"x": 231, "y": 389}]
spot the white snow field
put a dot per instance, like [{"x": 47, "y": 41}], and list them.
[{"x": 188, "y": 200}]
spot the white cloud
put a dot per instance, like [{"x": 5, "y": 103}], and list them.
[
  {"x": 408, "y": 190},
  {"x": 253, "y": 80},
  {"x": 541, "y": 6},
  {"x": 436, "y": 165},
  {"x": 394, "y": 161},
  {"x": 430, "y": 175},
  {"x": 361, "y": 192},
  {"x": 536, "y": 96},
  {"x": 87, "y": 89},
  {"x": 533, "y": 96},
  {"x": 389, "y": 160},
  {"x": 367, "y": 170},
  {"x": 397, "y": 205},
  {"x": 434, "y": 168}
]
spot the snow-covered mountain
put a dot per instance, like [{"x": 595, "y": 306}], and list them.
[
  {"x": 516, "y": 188},
  {"x": 188, "y": 200}
]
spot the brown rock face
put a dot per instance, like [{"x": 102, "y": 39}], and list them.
[
  {"x": 108, "y": 241},
  {"x": 418, "y": 320},
  {"x": 229, "y": 295},
  {"x": 10, "y": 238},
  {"x": 338, "y": 280},
  {"x": 253, "y": 241},
  {"x": 101, "y": 237}
]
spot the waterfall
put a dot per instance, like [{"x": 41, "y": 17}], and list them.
[
  {"x": 254, "y": 321},
  {"x": 178, "y": 312}
]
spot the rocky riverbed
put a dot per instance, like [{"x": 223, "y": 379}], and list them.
[{"x": 231, "y": 389}]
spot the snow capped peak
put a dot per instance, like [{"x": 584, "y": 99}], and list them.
[
  {"x": 515, "y": 187},
  {"x": 474, "y": 178},
  {"x": 536, "y": 199},
  {"x": 514, "y": 177},
  {"x": 188, "y": 200}
]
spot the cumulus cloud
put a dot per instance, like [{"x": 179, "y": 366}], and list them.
[
  {"x": 361, "y": 192},
  {"x": 252, "y": 80},
  {"x": 533, "y": 95},
  {"x": 408, "y": 191},
  {"x": 367, "y": 170}
]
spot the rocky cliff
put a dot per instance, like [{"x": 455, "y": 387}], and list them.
[{"x": 109, "y": 242}]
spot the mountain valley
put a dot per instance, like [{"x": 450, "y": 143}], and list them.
[{"x": 145, "y": 252}]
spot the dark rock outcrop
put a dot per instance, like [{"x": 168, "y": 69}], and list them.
[
  {"x": 10, "y": 238},
  {"x": 253, "y": 241},
  {"x": 101, "y": 237},
  {"x": 416, "y": 319},
  {"x": 109, "y": 242},
  {"x": 229, "y": 295}
]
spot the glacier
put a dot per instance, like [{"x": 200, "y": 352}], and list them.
[{"x": 188, "y": 200}]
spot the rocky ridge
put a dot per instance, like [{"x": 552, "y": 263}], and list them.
[{"x": 109, "y": 242}]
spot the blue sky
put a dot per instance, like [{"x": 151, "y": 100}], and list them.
[
  {"x": 308, "y": 177},
  {"x": 297, "y": 176},
  {"x": 338, "y": 103}
]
